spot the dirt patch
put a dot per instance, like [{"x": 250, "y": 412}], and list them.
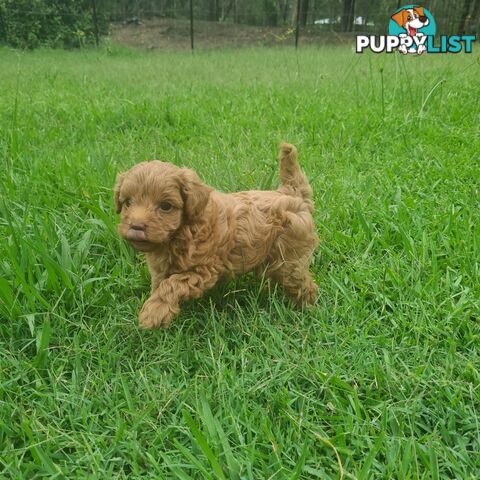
[{"x": 170, "y": 34}]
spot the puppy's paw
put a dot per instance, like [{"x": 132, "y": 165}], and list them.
[
  {"x": 308, "y": 295},
  {"x": 156, "y": 314}
]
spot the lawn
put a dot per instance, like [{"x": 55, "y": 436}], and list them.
[{"x": 379, "y": 380}]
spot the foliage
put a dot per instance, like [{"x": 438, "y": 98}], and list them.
[
  {"x": 336, "y": 15},
  {"x": 383, "y": 372},
  {"x": 53, "y": 23},
  {"x": 71, "y": 23}
]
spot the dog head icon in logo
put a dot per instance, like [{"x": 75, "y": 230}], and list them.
[{"x": 412, "y": 21}]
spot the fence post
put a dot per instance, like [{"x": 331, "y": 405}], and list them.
[
  {"x": 95, "y": 22},
  {"x": 3, "y": 29},
  {"x": 297, "y": 28},
  {"x": 191, "y": 24}
]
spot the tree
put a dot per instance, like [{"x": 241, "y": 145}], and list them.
[
  {"x": 464, "y": 17},
  {"x": 213, "y": 10},
  {"x": 270, "y": 13},
  {"x": 54, "y": 23},
  {"x": 475, "y": 23},
  {"x": 348, "y": 15},
  {"x": 303, "y": 12}
]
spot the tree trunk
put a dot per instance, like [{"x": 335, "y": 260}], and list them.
[
  {"x": 303, "y": 12},
  {"x": 348, "y": 14},
  {"x": 270, "y": 17},
  {"x": 285, "y": 13},
  {"x": 226, "y": 11},
  {"x": 476, "y": 17},
  {"x": 452, "y": 22},
  {"x": 282, "y": 9},
  {"x": 465, "y": 18},
  {"x": 213, "y": 10},
  {"x": 365, "y": 16}
]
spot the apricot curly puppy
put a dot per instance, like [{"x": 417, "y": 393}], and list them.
[{"x": 193, "y": 236}]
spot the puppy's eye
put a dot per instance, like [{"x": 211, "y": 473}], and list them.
[
  {"x": 127, "y": 202},
  {"x": 165, "y": 206},
  {"x": 409, "y": 17}
]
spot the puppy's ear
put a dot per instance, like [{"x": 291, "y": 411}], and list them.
[
  {"x": 420, "y": 11},
  {"x": 400, "y": 18},
  {"x": 195, "y": 194},
  {"x": 116, "y": 191}
]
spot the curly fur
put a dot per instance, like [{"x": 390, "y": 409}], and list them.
[{"x": 206, "y": 235}]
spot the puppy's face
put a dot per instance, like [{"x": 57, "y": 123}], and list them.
[
  {"x": 154, "y": 200},
  {"x": 411, "y": 19}
]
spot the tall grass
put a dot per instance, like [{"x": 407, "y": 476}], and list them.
[{"x": 380, "y": 380}]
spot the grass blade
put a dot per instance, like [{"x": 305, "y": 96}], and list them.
[{"x": 202, "y": 443}]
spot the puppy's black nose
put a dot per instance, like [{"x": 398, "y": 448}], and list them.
[
  {"x": 138, "y": 226},
  {"x": 423, "y": 19}
]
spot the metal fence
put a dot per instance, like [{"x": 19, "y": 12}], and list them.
[
  {"x": 269, "y": 22},
  {"x": 187, "y": 24}
]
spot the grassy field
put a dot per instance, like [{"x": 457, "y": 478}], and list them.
[{"x": 380, "y": 380}]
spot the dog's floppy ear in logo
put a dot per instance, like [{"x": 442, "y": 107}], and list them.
[
  {"x": 400, "y": 18},
  {"x": 420, "y": 12}
]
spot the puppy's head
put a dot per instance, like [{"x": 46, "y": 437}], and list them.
[
  {"x": 154, "y": 199},
  {"x": 411, "y": 19}
]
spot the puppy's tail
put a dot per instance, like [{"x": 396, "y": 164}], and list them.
[{"x": 293, "y": 180}]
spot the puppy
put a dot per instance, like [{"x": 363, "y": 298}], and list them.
[
  {"x": 194, "y": 236},
  {"x": 411, "y": 19}
]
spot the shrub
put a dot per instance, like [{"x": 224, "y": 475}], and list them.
[{"x": 53, "y": 23}]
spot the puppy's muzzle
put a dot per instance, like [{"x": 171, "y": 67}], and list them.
[{"x": 136, "y": 232}]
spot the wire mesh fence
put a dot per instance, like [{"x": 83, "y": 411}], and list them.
[{"x": 189, "y": 24}]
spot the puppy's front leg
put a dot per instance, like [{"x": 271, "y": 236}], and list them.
[{"x": 164, "y": 303}]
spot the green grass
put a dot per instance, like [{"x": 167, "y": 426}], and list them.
[{"x": 380, "y": 380}]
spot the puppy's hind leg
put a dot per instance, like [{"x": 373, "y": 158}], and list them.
[
  {"x": 297, "y": 283},
  {"x": 290, "y": 268}
]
